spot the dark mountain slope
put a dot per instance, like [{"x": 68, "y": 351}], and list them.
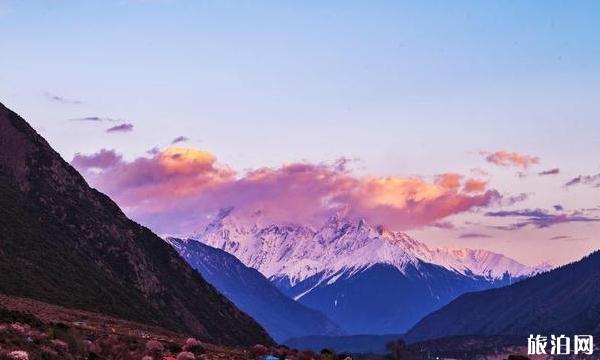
[
  {"x": 384, "y": 300},
  {"x": 65, "y": 243},
  {"x": 563, "y": 301},
  {"x": 283, "y": 317}
]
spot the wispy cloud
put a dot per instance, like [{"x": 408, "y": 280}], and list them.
[
  {"x": 120, "y": 128},
  {"x": 154, "y": 151},
  {"x": 522, "y": 174},
  {"x": 179, "y": 139},
  {"x": 508, "y": 158},
  {"x": 561, "y": 237},
  {"x": 95, "y": 119},
  {"x": 61, "y": 99},
  {"x": 474, "y": 235},
  {"x": 538, "y": 218},
  {"x": 554, "y": 171},
  {"x": 567, "y": 238},
  {"x": 513, "y": 199},
  {"x": 446, "y": 225},
  {"x": 593, "y": 180},
  {"x": 479, "y": 172}
]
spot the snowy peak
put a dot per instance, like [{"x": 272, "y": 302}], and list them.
[
  {"x": 331, "y": 267},
  {"x": 480, "y": 262},
  {"x": 341, "y": 246}
]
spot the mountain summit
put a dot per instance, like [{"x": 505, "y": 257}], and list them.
[
  {"x": 65, "y": 243},
  {"x": 297, "y": 252},
  {"x": 365, "y": 278}
]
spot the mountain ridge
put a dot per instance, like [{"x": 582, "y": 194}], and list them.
[
  {"x": 331, "y": 268},
  {"x": 68, "y": 244},
  {"x": 281, "y": 316},
  {"x": 350, "y": 244},
  {"x": 565, "y": 300}
]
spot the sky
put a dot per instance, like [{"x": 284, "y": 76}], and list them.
[{"x": 436, "y": 118}]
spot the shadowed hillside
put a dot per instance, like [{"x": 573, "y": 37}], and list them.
[
  {"x": 64, "y": 243},
  {"x": 281, "y": 316},
  {"x": 563, "y": 301}
]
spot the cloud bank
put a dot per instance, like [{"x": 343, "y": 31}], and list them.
[{"x": 175, "y": 189}]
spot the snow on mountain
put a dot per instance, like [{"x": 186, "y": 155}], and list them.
[
  {"x": 365, "y": 278},
  {"x": 480, "y": 262},
  {"x": 294, "y": 253}
]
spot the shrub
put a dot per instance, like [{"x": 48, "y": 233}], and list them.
[
  {"x": 184, "y": 355},
  {"x": 259, "y": 350},
  {"x": 59, "y": 345},
  {"x": 194, "y": 346},
  {"x": 327, "y": 354},
  {"x": 154, "y": 348},
  {"x": 18, "y": 355}
]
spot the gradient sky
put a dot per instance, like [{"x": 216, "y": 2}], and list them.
[{"x": 407, "y": 88}]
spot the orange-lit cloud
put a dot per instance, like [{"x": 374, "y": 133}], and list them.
[
  {"x": 173, "y": 191},
  {"x": 449, "y": 180},
  {"x": 506, "y": 158},
  {"x": 475, "y": 185}
]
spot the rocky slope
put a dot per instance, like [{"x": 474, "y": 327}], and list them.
[{"x": 65, "y": 243}]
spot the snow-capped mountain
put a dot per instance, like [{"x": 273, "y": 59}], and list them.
[
  {"x": 299, "y": 252},
  {"x": 331, "y": 267}
]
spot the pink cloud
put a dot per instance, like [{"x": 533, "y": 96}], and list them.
[
  {"x": 449, "y": 180},
  {"x": 479, "y": 172},
  {"x": 506, "y": 158},
  {"x": 475, "y": 185},
  {"x": 174, "y": 190}
]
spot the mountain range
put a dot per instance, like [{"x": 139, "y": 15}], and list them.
[
  {"x": 280, "y": 315},
  {"x": 565, "y": 300},
  {"x": 365, "y": 278},
  {"x": 64, "y": 243}
]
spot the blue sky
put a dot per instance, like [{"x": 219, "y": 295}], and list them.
[{"x": 407, "y": 87}]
